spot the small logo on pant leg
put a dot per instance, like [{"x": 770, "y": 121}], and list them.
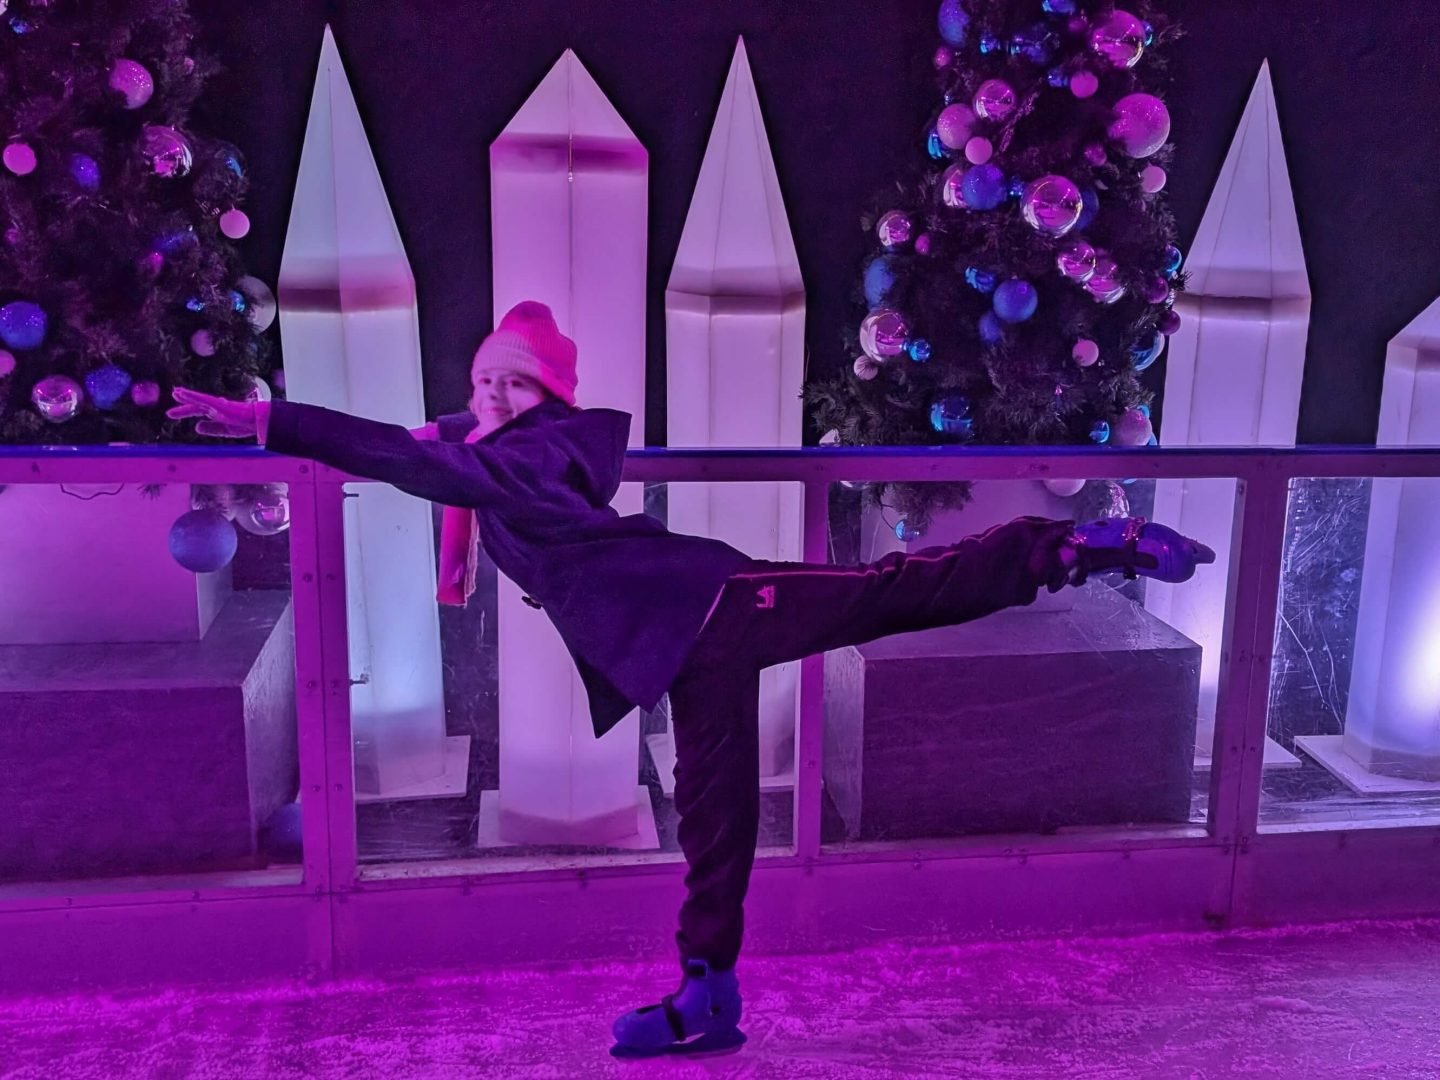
[{"x": 765, "y": 598}]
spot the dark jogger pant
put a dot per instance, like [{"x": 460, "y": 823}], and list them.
[{"x": 773, "y": 613}]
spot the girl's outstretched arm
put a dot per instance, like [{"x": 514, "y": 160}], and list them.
[{"x": 454, "y": 474}]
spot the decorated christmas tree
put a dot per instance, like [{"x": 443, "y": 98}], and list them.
[
  {"x": 1024, "y": 277},
  {"x": 118, "y": 278}
]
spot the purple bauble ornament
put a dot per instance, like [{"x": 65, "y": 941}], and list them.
[
  {"x": 883, "y": 334},
  {"x": 1153, "y": 179},
  {"x": 1086, "y": 353},
  {"x": 955, "y": 125},
  {"x": 1105, "y": 284},
  {"x": 1133, "y": 428},
  {"x": 952, "y": 182},
  {"x": 1141, "y": 124},
  {"x": 19, "y": 158},
  {"x": 979, "y": 150},
  {"x": 57, "y": 398},
  {"x": 202, "y": 343},
  {"x": 234, "y": 224},
  {"x": 7, "y": 364},
  {"x": 1095, "y": 154},
  {"x": 995, "y": 101},
  {"x": 132, "y": 81},
  {"x": 1051, "y": 205},
  {"x": 85, "y": 172},
  {"x": 1155, "y": 290},
  {"x": 166, "y": 151},
  {"x": 1169, "y": 323},
  {"x": 1076, "y": 261},
  {"x": 149, "y": 265},
  {"x": 894, "y": 228},
  {"x": 922, "y": 244},
  {"x": 1084, "y": 84},
  {"x": 145, "y": 394},
  {"x": 944, "y": 57},
  {"x": 1119, "y": 39}
]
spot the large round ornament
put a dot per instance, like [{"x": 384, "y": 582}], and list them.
[
  {"x": 995, "y": 101},
  {"x": 1132, "y": 429},
  {"x": 132, "y": 81},
  {"x": 1145, "y": 355},
  {"x": 1153, "y": 179},
  {"x": 1141, "y": 124},
  {"x": 1105, "y": 284},
  {"x": 267, "y": 514},
  {"x": 23, "y": 325},
  {"x": 1076, "y": 260},
  {"x": 894, "y": 228},
  {"x": 1051, "y": 205},
  {"x": 879, "y": 279},
  {"x": 1016, "y": 300},
  {"x": 883, "y": 334},
  {"x": 1064, "y": 488},
  {"x": 1089, "y": 208},
  {"x": 107, "y": 385},
  {"x": 202, "y": 541},
  {"x": 1084, "y": 84},
  {"x": 955, "y": 125},
  {"x": 234, "y": 223},
  {"x": 979, "y": 150},
  {"x": 953, "y": 21},
  {"x": 1118, "y": 38},
  {"x": 166, "y": 150},
  {"x": 19, "y": 158},
  {"x": 952, "y": 187},
  {"x": 1085, "y": 353},
  {"x": 261, "y": 307},
  {"x": 983, "y": 187},
  {"x": 57, "y": 398},
  {"x": 950, "y": 415}
]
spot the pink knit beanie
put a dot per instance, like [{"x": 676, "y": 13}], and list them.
[{"x": 528, "y": 342}]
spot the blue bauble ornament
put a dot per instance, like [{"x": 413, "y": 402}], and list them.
[
  {"x": 992, "y": 331},
  {"x": 1034, "y": 43},
  {"x": 935, "y": 148},
  {"x": 918, "y": 350},
  {"x": 202, "y": 541},
  {"x": 1173, "y": 260},
  {"x": 982, "y": 281},
  {"x": 1149, "y": 35},
  {"x": 906, "y": 532},
  {"x": 950, "y": 415},
  {"x": 1058, "y": 78},
  {"x": 22, "y": 325},
  {"x": 990, "y": 44},
  {"x": 232, "y": 162},
  {"x": 1016, "y": 300},
  {"x": 879, "y": 280},
  {"x": 1100, "y": 432},
  {"x": 1089, "y": 207},
  {"x": 195, "y": 304},
  {"x": 20, "y": 26},
  {"x": 107, "y": 385},
  {"x": 984, "y": 187},
  {"x": 85, "y": 172},
  {"x": 953, "y": 21},
  {"x": 1142, "y": 356},
  {"x": 1059, "y": 7},
  {"x": 237, "y": 300},
  {"x": 1016, "y": 190}
]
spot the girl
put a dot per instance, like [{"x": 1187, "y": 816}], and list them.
[{"x": 645, "y": 611}]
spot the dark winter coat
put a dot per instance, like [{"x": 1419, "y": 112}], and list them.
[{"x": 627, "y": 596}]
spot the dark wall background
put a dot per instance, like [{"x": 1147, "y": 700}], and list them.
[{"x": 846, "y": 86}]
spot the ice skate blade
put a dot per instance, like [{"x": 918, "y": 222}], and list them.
[{"x": 711, "y": 1044}]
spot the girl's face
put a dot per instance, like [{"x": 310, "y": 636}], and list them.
[{"x": 500, "y": 396}]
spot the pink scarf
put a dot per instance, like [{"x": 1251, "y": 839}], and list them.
[{"x": 458, "y": 555}]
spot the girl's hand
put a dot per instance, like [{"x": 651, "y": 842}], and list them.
[{"x": 219, "y": 416}]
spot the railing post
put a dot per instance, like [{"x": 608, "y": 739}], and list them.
[{"x": 810, "y": 732}]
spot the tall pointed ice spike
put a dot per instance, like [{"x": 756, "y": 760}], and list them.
[
  {"x": 352, "y": 342},
  {"x": 569, "y": 191},
  {"x": 735, "y": 329},
  {"x": 1391, "y": 742},
  {"x": 1234, "y": 370}
]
